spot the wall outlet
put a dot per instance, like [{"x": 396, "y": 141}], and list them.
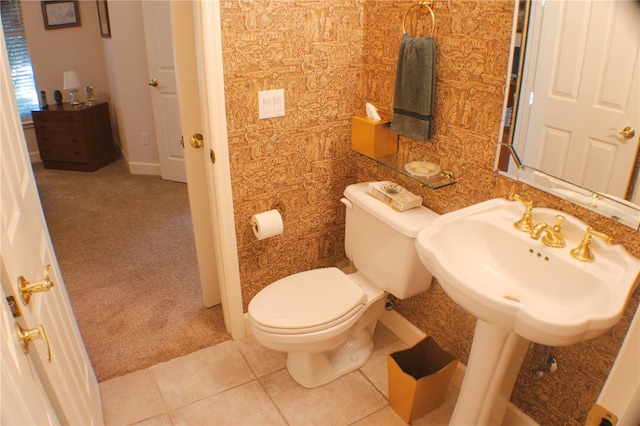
[
  {"x": 145, "y": 138},
  {"x": 270, "y": 103}
]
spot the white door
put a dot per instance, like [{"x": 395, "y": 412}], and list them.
[
  {"x": 162, "y": 83},
  {"x": 586, "y": 88},
  {"x": 23, "y": 399},
  {"x": 25, "y": 244},
  {"x": 196, "y": 158}
]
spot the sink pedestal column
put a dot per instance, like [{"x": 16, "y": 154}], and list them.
[{"x": 494, "y": 363}]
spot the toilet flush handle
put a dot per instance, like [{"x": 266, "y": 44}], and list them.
[{"x": 347, "y": 203}]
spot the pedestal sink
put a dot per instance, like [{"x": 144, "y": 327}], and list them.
[{"x": 520, "y": 291}]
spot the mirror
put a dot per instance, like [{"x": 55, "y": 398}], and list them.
[{"x": 572, "y": 109}]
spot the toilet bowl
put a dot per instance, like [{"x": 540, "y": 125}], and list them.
[
  {"x": 325, "y": 318},
  {"x": 326, "y": 329}
]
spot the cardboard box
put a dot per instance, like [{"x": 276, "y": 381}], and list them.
[
  {"x": 419, "y": 378},
  {"x": 373, "y": 138}
]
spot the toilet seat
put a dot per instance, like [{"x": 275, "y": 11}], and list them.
[{"x": 307, "y": 302}]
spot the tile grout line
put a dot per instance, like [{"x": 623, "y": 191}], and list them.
[{"x": 257, "y": 379}]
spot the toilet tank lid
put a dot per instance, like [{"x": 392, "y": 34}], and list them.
[
  {"x": 307, "y": 299},
  {"x": 409, "y": 222}
]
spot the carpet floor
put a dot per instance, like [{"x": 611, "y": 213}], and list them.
[{"x": 126, "y": 251}]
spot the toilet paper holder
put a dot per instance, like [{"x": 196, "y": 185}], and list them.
[{"x": 277, "y": 206}]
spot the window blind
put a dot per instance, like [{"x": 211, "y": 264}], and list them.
[{"x": 19, "y": 60}]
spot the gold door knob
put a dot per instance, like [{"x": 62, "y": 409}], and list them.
[
  {"x": 31, "y": 334},
  {"x": 26, "y": 288},
  {"x": 197, "y": 141},
  {"x": 627, "y": 133},
  {"x": 154, "y": 82}
]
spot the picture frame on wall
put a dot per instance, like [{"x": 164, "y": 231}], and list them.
[
  {"x": 103, "y": 17},
  {"x": 60, "y": 14}
]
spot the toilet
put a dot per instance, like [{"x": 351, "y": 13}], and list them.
[{"x": 325, "y": 318}]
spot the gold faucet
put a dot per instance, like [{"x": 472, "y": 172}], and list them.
[
  {"x": 524, "y": 224},
  {"x": 552, "y": 234},
  {"x": 583, "y": 251}
]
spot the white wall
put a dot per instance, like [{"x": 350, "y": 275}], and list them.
[
  {"x": 116, "y": 67},
  {"x": 73, "y": 48},
  {"x": 55, "y": 51},
  {"x": 126, "y": 59}
]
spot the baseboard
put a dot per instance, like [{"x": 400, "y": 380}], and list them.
[
  {"x": 247, "y": 327},
  {"x": 152, "y": 169},
  {"x": 34, "y": 157},
  {"x": 516, "y": 417},
  {"x": 410, "y": 334},
  {"x": 398, "y": 325}
]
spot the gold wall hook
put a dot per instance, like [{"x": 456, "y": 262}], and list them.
[
  {"x": 26, "y": 288},
  {"x": 26, "y": 336}
]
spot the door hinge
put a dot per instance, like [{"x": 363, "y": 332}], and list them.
[
  {"x": 530, "y": 98},
  {"x": 212, "y": 156}
]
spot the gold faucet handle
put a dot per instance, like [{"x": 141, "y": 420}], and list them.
[
  {"x": 524, "y": 224},
  {"x": 514, "y": 196},
  {"x": 583, "y": 251},
  {"x": 558, "y": 225},
  {"x": 604, "y": 237}
]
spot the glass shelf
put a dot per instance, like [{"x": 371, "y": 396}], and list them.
[{"x": 396, "y": 162}]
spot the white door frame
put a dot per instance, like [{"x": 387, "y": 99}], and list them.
[{"x": 214, "y": 119}]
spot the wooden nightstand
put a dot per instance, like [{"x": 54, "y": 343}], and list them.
[{"x": 74, "y": 137}]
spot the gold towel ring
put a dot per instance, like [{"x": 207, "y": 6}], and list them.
[{"x": 420, "y": 4}]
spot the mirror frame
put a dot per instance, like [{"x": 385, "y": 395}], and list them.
[{"x": 508, "y": 162}]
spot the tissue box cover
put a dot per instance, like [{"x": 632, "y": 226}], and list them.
[
  {"x": 373, "y": 138},
  {"x": 419, "y": 378}
]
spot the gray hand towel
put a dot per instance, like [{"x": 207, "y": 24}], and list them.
[{"x": 413, "y": 101}]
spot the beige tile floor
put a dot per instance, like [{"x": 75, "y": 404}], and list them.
[{"x": 242, "y": 383}]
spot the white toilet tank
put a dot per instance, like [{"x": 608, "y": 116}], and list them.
[{"x": 380, "y": 242}]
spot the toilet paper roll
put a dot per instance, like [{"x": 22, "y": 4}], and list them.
[{"x": 267, "y": 224}]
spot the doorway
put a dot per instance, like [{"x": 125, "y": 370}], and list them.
[
  {"x": 117, "y": 324},
  {"x": 126, "y": 251}
]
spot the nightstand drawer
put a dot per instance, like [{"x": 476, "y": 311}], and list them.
[
  {"x": 57, "y": 128},
  {"x": 64, "y": 152},
  {"x": 54, "y": 116}
]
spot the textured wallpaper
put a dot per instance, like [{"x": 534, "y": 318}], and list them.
[
  {"x": 312, "y": 50},
  {"x": 331, "y": 56}
]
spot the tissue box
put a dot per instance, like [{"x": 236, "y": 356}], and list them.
[
  {"x": 373, "y": 138},
  {"x": 394, "y": 195}
]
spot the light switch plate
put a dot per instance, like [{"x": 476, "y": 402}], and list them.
[{"x": 271, "y": 103}]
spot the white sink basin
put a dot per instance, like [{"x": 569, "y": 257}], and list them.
[{"x": 505, "y": 278}]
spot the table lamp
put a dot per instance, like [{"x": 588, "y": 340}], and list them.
[{"x": 71, "y": 83}]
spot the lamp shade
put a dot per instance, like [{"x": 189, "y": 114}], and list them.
[{"x": 71, "y": 80}]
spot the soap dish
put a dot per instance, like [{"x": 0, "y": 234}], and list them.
[{"x": 422, "y": 168}]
